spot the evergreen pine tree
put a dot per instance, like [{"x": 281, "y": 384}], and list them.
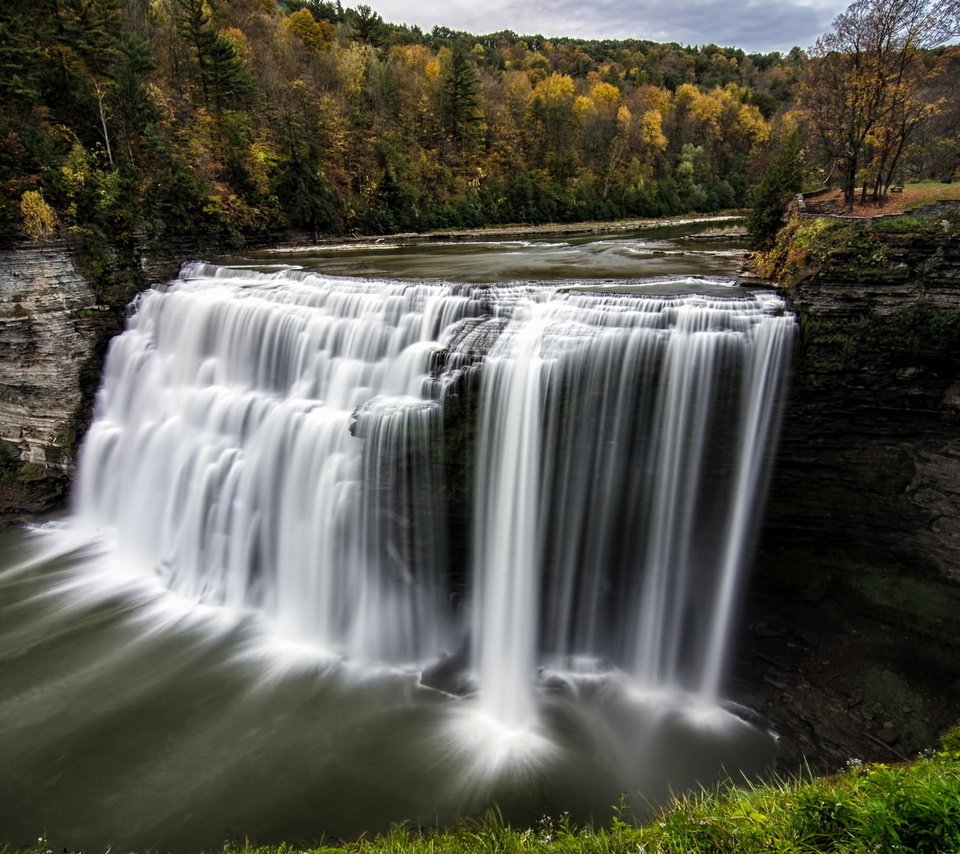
[{"x": 777, "y": 186}]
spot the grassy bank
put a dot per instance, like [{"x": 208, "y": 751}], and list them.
[
  {"x": 914, "y": 807},
  {"x": 807, "y": 244}
]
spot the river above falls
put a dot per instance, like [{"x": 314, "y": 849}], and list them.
[{"x": 713, "y": 246}]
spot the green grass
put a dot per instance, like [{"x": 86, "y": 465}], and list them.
[
  {"x": 914, "y": 807},
  {"x": 928, "y": 192},
  {"x": 805, "y": 244}
]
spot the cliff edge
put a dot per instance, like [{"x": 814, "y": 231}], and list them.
[{"x": 853, "y": 632}]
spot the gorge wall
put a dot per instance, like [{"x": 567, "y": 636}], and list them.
[
  {"x": 870, "y": 460},
  {"x": 60, "y": 303},
  {"x": 48, "y": 320},
  {"x": 854, "y": 625}
]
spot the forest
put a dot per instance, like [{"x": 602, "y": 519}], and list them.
[{"x": 244, "y": 120}]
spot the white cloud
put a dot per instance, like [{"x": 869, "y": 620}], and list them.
[{"x": 749, "y": 24}]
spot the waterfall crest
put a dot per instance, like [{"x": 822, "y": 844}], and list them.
[{"x": 280, "y": 442}]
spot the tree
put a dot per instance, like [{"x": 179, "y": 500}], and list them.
[
  {"x": 316, "y": 35},
  {"x": 460, "y": 113},
  {"x": 219, "y": 70},
  {"x": 367, "y": 25},
  {"x": 947, "y": 12},
  {"x": 862, "y": 83},
  {"x": 555, "y": 125},
  {"x": 39, "y": 219},
  {"x": 777, "y": 186},
  {"x": 20, "y": 57}
]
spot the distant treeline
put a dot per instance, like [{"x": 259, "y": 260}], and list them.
[{"x": 242, "y": 119}]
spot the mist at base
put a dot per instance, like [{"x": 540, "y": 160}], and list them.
[{"x": 132, "y": 717}]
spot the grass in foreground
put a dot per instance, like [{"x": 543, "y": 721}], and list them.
[{"x": 914, "y": 807}]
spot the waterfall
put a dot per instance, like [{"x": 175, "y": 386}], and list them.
[
  {"x": 281, "y": 442},
  {"x": 623, "y": 448},
  {"x": 241, "y": 443}
]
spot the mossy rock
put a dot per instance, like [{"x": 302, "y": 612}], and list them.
[
  {"x": 889, "y": 697},
  {"x": 32, "y": 472},
  {"x": 889, "y": 592}
]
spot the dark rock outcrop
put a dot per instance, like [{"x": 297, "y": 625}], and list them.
[
  {"x": 870, "y": 458},
  {"x": 852, "y": 633}
]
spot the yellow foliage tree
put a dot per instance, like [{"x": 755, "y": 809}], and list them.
[
  {"x": 651, "y": 134},
  {"x": 555, "y": 124},
  {"x": 39, "y": 219},
  {"x": 316, "y": 35},
  {"x": 606, "y": 94},
  {"x": 555, "y": 90}
]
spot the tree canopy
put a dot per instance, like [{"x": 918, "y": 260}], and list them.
[
  {"x": 871, "y": 85},
  {"x": 238, "y": 119}
]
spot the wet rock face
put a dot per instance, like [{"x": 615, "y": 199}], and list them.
[
  {"x": 870, "y": 458},
  {"x": 859, "y": 566},
  {"x": 47, "y": 316}
]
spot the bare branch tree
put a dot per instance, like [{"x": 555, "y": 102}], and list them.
[{"x": 863, "y": 92}]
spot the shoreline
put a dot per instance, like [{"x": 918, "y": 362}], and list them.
[{"x": 501, "y": 232}]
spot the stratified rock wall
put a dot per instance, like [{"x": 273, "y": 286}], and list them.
[
  {"x": 47, "y": 312},
  {"x": 870, "y": 458},
  {"x": 55, "y": 324},
  {"x": 852, "y": 628},
  {"x": 42, "y": 301}
]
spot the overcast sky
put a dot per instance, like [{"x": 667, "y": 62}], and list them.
[{"x": 754, "y": 25}]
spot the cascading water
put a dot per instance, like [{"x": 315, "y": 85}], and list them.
[
  {"x": 536, "y": 499},
  {"x": 623, "y": 442},
  {"x": 274, "y": 441},
  {"x": 254, "y": 440}
]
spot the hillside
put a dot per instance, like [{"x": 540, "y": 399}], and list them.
[{"x": 233, "y": 121}]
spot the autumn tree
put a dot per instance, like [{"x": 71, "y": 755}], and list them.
[
  {"x": 555, "y": 123},
  {"x": 861, "y": 92},
  {"x": 314, "y": 34}
]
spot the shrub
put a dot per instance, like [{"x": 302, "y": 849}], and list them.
[{"x": 38, "y": 218}]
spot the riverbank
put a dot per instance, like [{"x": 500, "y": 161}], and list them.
[{"x": 503, "y": 232}]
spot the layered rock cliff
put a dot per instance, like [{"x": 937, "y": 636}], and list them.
[
  {"x": 870, "y": 460},
  {"x": 852, "y": 640},
  {"x": 48, "y": 312},
  {"x": 60, "y": 303}
]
